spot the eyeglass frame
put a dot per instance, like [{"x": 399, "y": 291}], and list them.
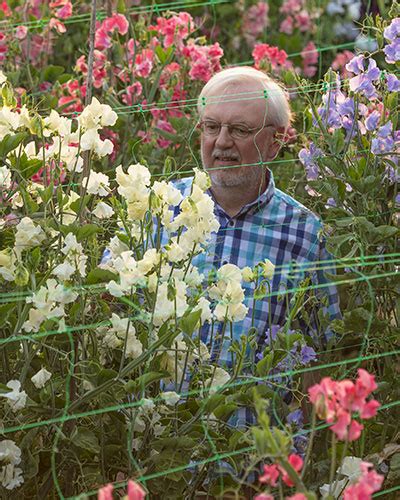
[{"x": 229, "y": 125}]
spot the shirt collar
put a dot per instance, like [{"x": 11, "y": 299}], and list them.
[{"x": 255, "y": 205}]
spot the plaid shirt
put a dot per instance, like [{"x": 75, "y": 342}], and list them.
[{"x": 276, "y": 227}]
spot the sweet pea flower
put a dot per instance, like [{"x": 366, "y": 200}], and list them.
[
  {"x": 16, "y": 397},
  {"x": 135, "y": 491},
  {"x": 270, "y": 476},
  {"x": 384, "y": 141},
  {"x": 263, "y": 496},
  {"x": 372, "y": 120},
  {"x": 297, "y": 463},
  {"x": 392, "y": 33},
  {"x": 297, "y": 496},
  {"x": 393, "y": 83},
  {"x": 363, "y": 82},
  {"x": 264, "y": 53},
  {"x": 368, "y": 483},
  {"x": 105, "y": 493},
  {"x": 42, "y": 376},
  {"x": 308, "y": 158}
]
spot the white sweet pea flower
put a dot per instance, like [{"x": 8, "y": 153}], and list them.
[
  {"x": 268, "y": 269},
  {"x": 75, "y": 260},
  {"x": 10, "y": 456},
  {"x": 134, "y": 187},
  {"x": 56, "y": 124},
  {"x": 16, "y": 397},
  {"x": 5, "y": 178},
  {"x": 166, "y": 193},
  {"x": 166, "y": 307},
  {"x": 203, "y": 305},
  {"x": 9, "y": 121},
  {"x": 28, "y": 235},
  {"x": 3, "y": 78},
  {"x": 122, "y": 331},
  {"x": 98, "y": 183},
  {"x": 221, "y": 377},
  {"x": 170, "y": 397},
  {"x": 97, "y": 115},
  {"x": 7, "y": 264},
  {"x": 42, "y": 376},
  {"x": 229, "y": 273},
  {"x": 103, "y": 211},
  {"x": 91, "y": 141},
  {"x": 201, "y": 179}
]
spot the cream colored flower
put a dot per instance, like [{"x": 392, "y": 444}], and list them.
[
  {"x": 5, "y": 178},
  {"x": 170, "y": 397},
  {"x": 98, "y": 183},
  {"x": 103, "y": 211},
  {"x": 268, "y": 269},
  {"x": 42, "y": 376},
  {"x": 28, "y": 235},
  {"x": 16, "y": 397},
  {"x": 220, "y": 378}
]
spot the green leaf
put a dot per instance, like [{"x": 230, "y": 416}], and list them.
[
  {"x": 11, "y": 142},
  {"x": 264, "y": 366},
  {"x": 168, "y": 135},
  {"x": 384, "y": 232},
  {"x": 26, "y": 167},
  {"x": 47, "y": 193},
  {"x": 78, "y": 204},
  {"x": 86, "y": 231},
  {"x": 213, "y": 402},
  {"x": 5, "y": 311},
  {"x": 100, "y": 276},
  {"x": 224, "y": 411},
  {"x": 85, "y": 439},
  {"x": 144, "y": 380},
  {"x": 52, "y": 73},
  {"x": 189, "y": 321}
]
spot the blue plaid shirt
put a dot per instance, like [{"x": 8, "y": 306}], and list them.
[{"x": 276, "y": 227}]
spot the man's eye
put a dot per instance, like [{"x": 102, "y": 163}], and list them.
[
  {"x": 239, "y": 130},
  {"x": 211, "y": 127}
]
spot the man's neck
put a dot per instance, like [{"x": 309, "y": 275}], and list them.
[{"x": 233, "y": 199}]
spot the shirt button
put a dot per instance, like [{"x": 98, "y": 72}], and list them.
[
  {"x": 224, "y": 262},
  {"x": 231, "y": 223}
]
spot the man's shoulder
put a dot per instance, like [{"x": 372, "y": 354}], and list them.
[{"x": 298, "y": 209}]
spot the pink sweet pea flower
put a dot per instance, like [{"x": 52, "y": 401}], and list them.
[
  {"x": 297, "y": 496},
  {"x": 270, "y": 476},
  {"x": 263, "y": 496},
  {"x": 58, "y": 25},
  {"x": 368, "y": 483},
  {"x": 297, "y": 463},
  {"x": 105, "y": 493},
  {"x": 65, "y": 11},
  {"x": 117, "y": 22},
  {"x": 21, "y": 32},
  {"x": 135, "y": 491},
  {"x": 264, "y": 53}
]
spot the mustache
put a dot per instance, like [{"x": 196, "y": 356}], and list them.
[{"x": 222, "y": 155}]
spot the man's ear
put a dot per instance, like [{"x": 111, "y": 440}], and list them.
[{"x": 278, "y": 140}]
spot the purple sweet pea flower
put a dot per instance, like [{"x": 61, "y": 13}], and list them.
[
  {"x": 384, "y": 142},
  {"x": 393, "y": 30},
  {"x": 356, "y": 65},
  {"x": 397, "y": 199},
  {"x": 392, "y": 52},
  {"x": 330, "y": 203},
  {"x": 308, "y": 159},
  {"x": 307, "y": 355},
  {"x": 393, "y": 83},
  {"x": 296, "y": 418},
  {"x": 372, "y": 121},
  {"x": 363, "y": 82}
]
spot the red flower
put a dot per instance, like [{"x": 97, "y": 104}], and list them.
[
  {"x": 368, "y": 483},
  {"x": 297, "y": 463},
  {"x": 263, "y": 53},
  {"x": 270, "y": 476}
]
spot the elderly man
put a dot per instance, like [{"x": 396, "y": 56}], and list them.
[{"x": 244, "y": 115}]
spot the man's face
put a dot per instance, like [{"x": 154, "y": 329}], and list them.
[{"x": 221, "y": 151}]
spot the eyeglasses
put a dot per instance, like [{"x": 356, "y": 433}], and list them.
[{"x": 235, "y": 130}]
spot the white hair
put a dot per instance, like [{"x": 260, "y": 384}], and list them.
[{"x": 278, "y": 103}]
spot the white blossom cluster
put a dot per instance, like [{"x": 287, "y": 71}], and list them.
[{"x": 10, "y": 456}]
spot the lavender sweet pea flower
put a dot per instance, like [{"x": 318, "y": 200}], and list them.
[
  {"x": 372, "y": 121},
  {"x": 392, "y": 52},
  {"x": 393, "y": 83},
  {"x": 384, "y": 142},
  {"x": 397, "y": 199},
  {"x": 296, "y": 417},
  {"x": 393, "y": 30},
  {"x": 308, "y": 159},
  {"x": 307, "y": 355},
  {"x": 356, "y": 65},
  {"x": 330, "y": 203},
  {"x": 363, "y": 82}
]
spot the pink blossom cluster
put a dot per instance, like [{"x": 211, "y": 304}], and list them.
[
  {"x": 338, "y": 401},
  {"x": 104, "y": 31},
  {"x": 135, "y": 492},
  {"x": 368, "y": 483},
  {"x": 265, "y": 55},
  {"x": 273, "y": 472},
  {"x": 255, "y": 20},
  {"x": 267, "y": 496},
  {"x": 72, "y": 101},
  {"x": 310, "y": 58},
  {"x": 174, "y": 29},
  {"x": 204, "y": 60},
  {"x": 296, "y": 17},
  {"x": 99, "y": 70}
]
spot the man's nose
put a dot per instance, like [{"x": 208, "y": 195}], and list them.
[{"x": 224, "y": 139}]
